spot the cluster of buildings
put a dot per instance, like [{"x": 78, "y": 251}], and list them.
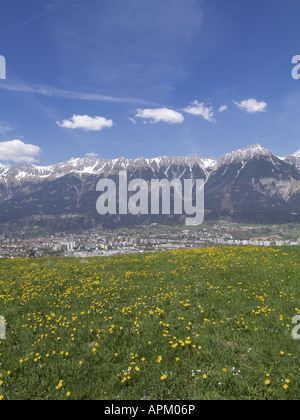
[{"x": 141, "y": 239}]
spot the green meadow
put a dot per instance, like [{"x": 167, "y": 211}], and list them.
[{"x": 214, "y": 323}]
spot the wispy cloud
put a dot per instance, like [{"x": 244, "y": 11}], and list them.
[
  {"x": 223, "y": 108},
  {"x": 202, "y": 110},
  {"x": 68, "y": 94},
  {"x": 138, "y": 43},
  {"x": 47, "y": 10},
  {"x": 5, "y": 129},
  {"x": 132, "y": 120},
  {"x": 36, "y": 17},
  {"x": 91, "y": 155}
]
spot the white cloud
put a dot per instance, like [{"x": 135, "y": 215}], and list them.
[
  {"x": 91, "y": 155},
  {"x": 132, "y": 120},
  {"x": 202, "y": 110},
  {"x": 223, "y": 108},
  {"x": 18, "y": 152},
  {"x": 252, "y": 106},
  {"x": 160, "y": 115},
  {"x": 86, "y": 123}
]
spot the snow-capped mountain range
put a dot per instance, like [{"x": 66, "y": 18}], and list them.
[
  {"x": 251, "y": 184},
  {"x": 95, "y": 166}
]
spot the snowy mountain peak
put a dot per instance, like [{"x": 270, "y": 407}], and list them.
[
  {"x": 297, "y": 154},
  {"x": 245, "y": 154},
  {"x": 3, "y": 167},
  {"x": 293, "y": 159}
]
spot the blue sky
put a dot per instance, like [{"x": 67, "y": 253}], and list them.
[{"x": 146, "y": 78}]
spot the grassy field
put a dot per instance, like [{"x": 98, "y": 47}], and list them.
[{"x": 214, "y": 323}]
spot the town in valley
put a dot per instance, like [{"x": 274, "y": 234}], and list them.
[{"x": 147, "y": 238}]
